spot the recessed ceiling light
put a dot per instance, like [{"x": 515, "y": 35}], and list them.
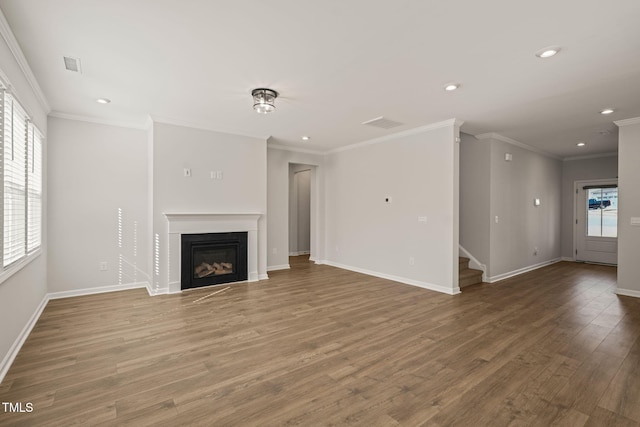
[
  {"x": 547, "y": 52},
  {"x": 580, "y": 144},
  {"x": 451, "y": 87},
  {"x": 103, "y": 100},
  {"x": 607, "y": 111},
  {"x": 305, "y": 138}
]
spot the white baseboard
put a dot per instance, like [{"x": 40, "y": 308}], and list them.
[
  {"x": 264, "y": 276},
  {"x": 279, "y": 267},
  {"x": 298, "y": 253},
  {"x": 98, "y": 290},
  {"x": 404, "y": 280},
  {"x": 567, "y": 258},
  {"x": 628, "y": 292},
  {"x": 522, "y": 270},
  {"x": 22, "y": 337}
]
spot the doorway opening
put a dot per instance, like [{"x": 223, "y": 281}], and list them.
[
  {"x": 301, "y": 179},
  {"x": 596, "y": 221}
]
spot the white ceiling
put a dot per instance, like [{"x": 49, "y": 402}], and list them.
[{"x": 337, "y": 63}]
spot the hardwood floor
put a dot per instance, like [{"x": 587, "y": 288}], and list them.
[{"x": 316, "y": 345}]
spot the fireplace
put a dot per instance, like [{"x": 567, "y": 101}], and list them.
[{"x": 213, "y": 258}]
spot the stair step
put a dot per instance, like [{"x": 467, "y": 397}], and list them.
[
  {"x": 469, "y": 276},
  {"x": 463, "y": 263}
]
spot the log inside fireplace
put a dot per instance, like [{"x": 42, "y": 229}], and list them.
[{"x": 213, "y": 258}]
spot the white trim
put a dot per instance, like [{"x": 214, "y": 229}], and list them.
[
  {"x": 299, "y": 253},
  {"x": 264, "y": 276},
  {"x": 497, "y": 136},
  {"x": 420, "y": 284},
  {"x": 628, "y": 122},
  {"x": 98, "y": 290},
  {"x": 19, "y": 264},
  {"x": 202, "y": 126},
  {"x": 619, "y": 291},
  {"x": 568, "y": 259},
  {"x": 473, "y": 262},
  {"x": 14, "y": 47},
  {"x": 522, "y": 270},
  {"x": 100, "y": 121},
  {"x": 394, "y": 136},
  {"x": 22, "y": 337},
  {"x": 590, "y": 156},
  {"x": 278, "y": 267},
  {"x": 296, "y": 149}
]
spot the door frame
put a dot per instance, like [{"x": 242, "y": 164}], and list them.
[{"x": 576, "y": 186}]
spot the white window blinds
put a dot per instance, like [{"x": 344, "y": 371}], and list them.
[
  {"x": 34, "y": 189},
  {"x": 21, "y": 164}
]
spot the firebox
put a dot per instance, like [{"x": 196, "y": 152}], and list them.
[{"x": 213, "y": 258}]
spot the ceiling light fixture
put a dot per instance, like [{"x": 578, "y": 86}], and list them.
[
  {"x": 451, "y": 87},
  {"x": 103, "y": 100},
  {"x": 305, "y": 138},
  {"x": 580, "y": 144},
  {"x": 263, "y": 100},
  {"x": 607, "y": 111},
  {"x": 548, "y": 52}
]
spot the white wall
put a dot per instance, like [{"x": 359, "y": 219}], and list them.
[
  {"x": 419, "y": 171},
  {"x": 475, "y": 196},
  {"x": 278, "y": 161},
  {"x": 580, "y": 170},
  {"x": 97, "y": 210},
  {"x": 299, "y": 208},
  {"x": 241, "y": 159},
  {"x": 22, "y": 294},
  {"x": 629, "y": 206},
  {"x": 522, "y": 226}
]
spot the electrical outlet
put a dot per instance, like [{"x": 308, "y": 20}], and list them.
[
  {"x": 535, "y": 250},
  {"x": 412, "y": 261},
  {"x": 103, "y": 266}
]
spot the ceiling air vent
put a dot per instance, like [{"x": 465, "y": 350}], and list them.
[
  {"x": 72, "y": 64},
  {"x": 381, "y": 122}
]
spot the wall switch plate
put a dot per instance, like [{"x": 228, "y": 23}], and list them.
[
  {"x": 412, "y": 261},
  {"x": 496, "y": 219},
  {"x": 103, "y": 266},
  {"x": 536, "y": 202},
  {"x": 219, "y": 175},
  {"x": 635, "y": 221},
  {"x": 187, "y": 172},
  {"x": 508, "y": 157},
  {"x": 422, "y": 219}
]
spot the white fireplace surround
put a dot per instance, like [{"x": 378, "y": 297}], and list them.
[{"x": 197, "y": 223}]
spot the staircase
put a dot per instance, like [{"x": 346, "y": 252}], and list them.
[{"x": 467, "y": 276}]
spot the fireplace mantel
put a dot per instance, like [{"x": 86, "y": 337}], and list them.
[{"x": 210, "y": 222}]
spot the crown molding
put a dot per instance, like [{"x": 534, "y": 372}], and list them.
[
  {"x": 590, "y": 156},
  {"x": 451, "y": 122},
  {"x": 296, "y": 149},
  {"x": 14, "y": 47},
  {"x": 200, "y": 126},
  {"x": 97, "y": 120},
  {"x": 628, "y": 122},
  {"x": 498, "y": 137}
]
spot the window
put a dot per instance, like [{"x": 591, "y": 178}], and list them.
[{"x": 21, "y": 164}]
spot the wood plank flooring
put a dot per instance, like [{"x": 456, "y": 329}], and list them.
[{"x": 317, "y": 345}]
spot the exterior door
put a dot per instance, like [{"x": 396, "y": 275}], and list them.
[{"x": 597, "y": 222}]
